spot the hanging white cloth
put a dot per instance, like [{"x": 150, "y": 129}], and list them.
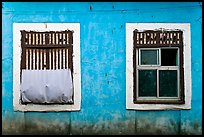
[{"x": 46, "y": 86}]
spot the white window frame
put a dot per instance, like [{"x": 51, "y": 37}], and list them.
[
  {"x": 185, "y": 27},
  {"x": 157, "y": 68},
  {"x": 17, "y": 27}
]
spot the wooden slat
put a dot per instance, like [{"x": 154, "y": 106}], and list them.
[
  {"x": 155, "y": 38},
  {"x": 35, "y": 39},
  {"x": 66, "y": 58},
  {"x": 58, "y": 59},
  {"x": 57, "y": 41},
  {"x": 31, "y": 38},
  {"x": 168, "y": 38},
  {"x": 141, "y": 39},
  {"x": 36, "y": 59},
  {"x": 24, "y": 39},
  {"x": 53, "y": 38},
  {"x": 39, "y": 59},
  {"x": 50, "y": 38},
  {"x": 152, "y": 38},
  {"x": 46, "y": 39},
  {"x": 61, "y": 58},
  {"x": 48, "y": 46},
  {"x": 47, "y": 59},
  {"x": 28, "y": 58},
  {"x": 43, "y": 38},
  {"x": 148, "y": 38},
  {"x": 51, "y": 58},
  {"x": 39, "y": 41},
  {"x": 31, "y": 59},
  {"x": 176, "y": 37},
  {"x": 67, "y": 37},
  {"x": 60, "y": 38},
  {"x": 64, "y": 38},
  {"x": 42, "y": 59},
  {"x": 55, "y": 58}
]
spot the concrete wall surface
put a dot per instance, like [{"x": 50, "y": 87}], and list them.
[{"x": 102, "y": 47}]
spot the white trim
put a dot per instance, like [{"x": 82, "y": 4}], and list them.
[
  {"x": 158, "y": 67},
  {"x": 16, "y": 65},
  {"x": 185, "y": 27},
  {"x": 158, "y": 83}
]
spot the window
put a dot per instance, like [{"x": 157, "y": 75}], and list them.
[
  {"x": 158, "y": 66},
  {"x": 46, "y": 72}
]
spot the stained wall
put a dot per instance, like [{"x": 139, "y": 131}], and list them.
[{"x": 103, "y": 62}]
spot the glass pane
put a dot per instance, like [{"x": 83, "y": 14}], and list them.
[
  {"x": 147, "y": 83},
  {"x": 169, "y": 57},
  {"x": 149, "y": 57},
  {"x": 168, "y": 83}
]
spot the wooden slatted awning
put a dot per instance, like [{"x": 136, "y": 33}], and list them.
[
  {"x": 157, "y": 38},
  {"x": 47, "y": 50}
]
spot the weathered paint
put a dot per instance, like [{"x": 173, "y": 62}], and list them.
[
  {"x": 130, "y": 27},
  {"x": 102, "y": 46},
  {"x": 16, "y": 65}
]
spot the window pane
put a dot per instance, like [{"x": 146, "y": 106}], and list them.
[
  {"x": 147, "y": 83},
  {"x": 169, "y": 57},
  {"x": 149, "y": 57},
  {"x": 168, "y": 86}
]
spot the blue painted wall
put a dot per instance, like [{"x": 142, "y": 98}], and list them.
[{"x": 103, "y": 57}]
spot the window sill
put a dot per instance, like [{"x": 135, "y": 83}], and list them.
[
  {"x": 133, "y": 106},
  {"x": 36, "y": 107}
]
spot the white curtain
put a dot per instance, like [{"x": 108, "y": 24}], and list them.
[{"x": 47, "y": 86}]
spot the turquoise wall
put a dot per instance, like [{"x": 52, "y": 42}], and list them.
[{"x": 103, "y": 63}]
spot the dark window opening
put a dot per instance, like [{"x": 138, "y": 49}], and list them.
[
  {"x": 168, "y": 83},
  {"x": 169, "y": 57},
  {"x": 147, "y": 83}
]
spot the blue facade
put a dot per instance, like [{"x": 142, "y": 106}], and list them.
[{"x": 103, "y": 63}]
